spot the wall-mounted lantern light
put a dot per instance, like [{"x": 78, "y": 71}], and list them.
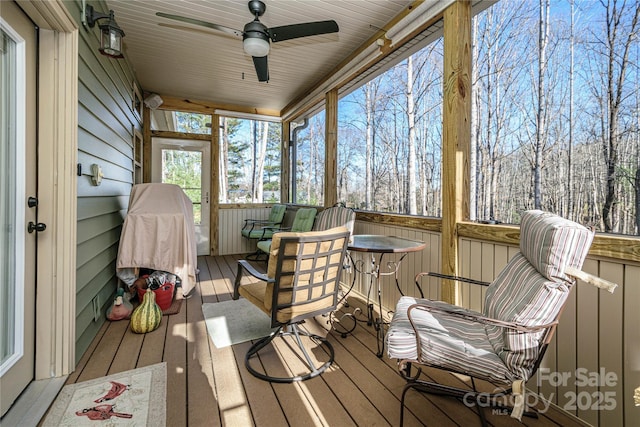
[{"x": 110, "y": 34}]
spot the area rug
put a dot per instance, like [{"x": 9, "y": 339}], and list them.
[
  {"x": 130, "y": 398},
  {"x": 174, "y": 308},
  {"x": 233, "y": 322}
]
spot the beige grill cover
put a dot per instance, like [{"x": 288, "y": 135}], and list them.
[{"x": 159, "y": 233}]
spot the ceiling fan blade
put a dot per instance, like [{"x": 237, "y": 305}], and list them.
[
  {"x": 288, "y": 32},
  {"x": 191, "y": 29},
  {"x": 193, "y": 21},
  {"x": 262, "y": 68}
]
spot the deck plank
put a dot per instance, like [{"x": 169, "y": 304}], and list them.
[
  {"x": 207, "y": 386},
  {"x": 263, "y": 401},
  {"x": 319, "y": 395},
  {"x": 130, "y": 345},
  {"x": 99, "y": 363},
  {"x": 82, "y": 363},
  {"x": 232, "y": 400},
  {"x": 201, "y": 398},
  {"x": 207, "y": 292},
  {"x": 176, "y": 358},
  {"x": 150, "y": 352},
  {"x": 346, "y": 389}
]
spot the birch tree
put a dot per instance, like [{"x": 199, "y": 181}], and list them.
[
  {"x": 223, "y": 159},
  {"x": 499, "y": 67},
  {"x": 541, "y": 113},
  {"x": 619, "y": 38},
  {"x": 260, "y": 136},
  {"x": 231, "y": 158},
  {"x": 369, "y": 114},
  {"x": 569, "y": 186},
  {"x": 411, "y": 123}
]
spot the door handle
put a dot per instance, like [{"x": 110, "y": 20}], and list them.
[{"x": 31, "y": 227}]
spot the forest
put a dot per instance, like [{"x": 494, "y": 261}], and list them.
[
  {"x": 555, "y": 119},
  {"x": 249, "y": 161},
  {"x": 555, "y": 124}
]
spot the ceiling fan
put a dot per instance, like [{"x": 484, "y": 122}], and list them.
[{"x": 256, "y": 36}]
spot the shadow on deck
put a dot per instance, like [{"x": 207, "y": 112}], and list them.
[{"x": 207, "y": 386}]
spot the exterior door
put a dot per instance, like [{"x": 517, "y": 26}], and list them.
[
  {"x": 186, "y": 163},
  {"x": 17, "y": 211}
]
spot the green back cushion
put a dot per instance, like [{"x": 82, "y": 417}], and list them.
[
  {"x": 303, "y": 221},
  {"x": 277, "y": 213}
]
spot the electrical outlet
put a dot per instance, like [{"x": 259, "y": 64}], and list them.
[{"x": 96, "y": 308}]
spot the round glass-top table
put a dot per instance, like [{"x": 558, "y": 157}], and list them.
[
  {"x": 384, "y": 244},
  {"x": 379, "y": 244}
]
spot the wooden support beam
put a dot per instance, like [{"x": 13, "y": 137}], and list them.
[
  {"x": 456, "y": 135},
  {"x": 146, "y": 144},
  {"x": 206, "y": 107},
  {"x": 331, "y": 149},
  {"x": 285, "y": 165},
  {"x": 180, "y": 135},
  {"x": 214, "y": 199}
]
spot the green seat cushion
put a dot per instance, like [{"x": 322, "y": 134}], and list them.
[
  {"x": 258, "y": 233},
  {"x": 302, "y": 222},
  {"x": 264, "y": 245},
  {"x": 253, "y": 228}
]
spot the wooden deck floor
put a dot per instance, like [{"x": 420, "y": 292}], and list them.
[{"x": 207, "y": 386}]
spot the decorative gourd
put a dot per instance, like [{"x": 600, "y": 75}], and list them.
[
  {"x": 147, "y": 316},
  {"x": 121, "y": 308}
]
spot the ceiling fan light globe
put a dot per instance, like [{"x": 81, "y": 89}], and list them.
[{"x": 257, "y": 47}]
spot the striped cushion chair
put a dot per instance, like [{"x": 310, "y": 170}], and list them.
[
  {"x": 335, "y": 216},
  {"x": 506, "y": 342}
]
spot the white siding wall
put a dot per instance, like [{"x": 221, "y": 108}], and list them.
[{"x": 231, "y": 221}]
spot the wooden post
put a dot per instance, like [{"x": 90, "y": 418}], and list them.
[
  {"x": 214, "y": 198},
  {"x": 456, "y": 135},
  {"x": 285, "y": 165},
  {"x": 331, "y": 149},
  {"x": 146, "y": 144}
]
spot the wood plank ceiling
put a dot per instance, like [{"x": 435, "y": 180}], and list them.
[{"x": 194, "y": 62}]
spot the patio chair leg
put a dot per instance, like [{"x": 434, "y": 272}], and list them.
[
  {"x": 295, "y": 332},
  {"x": 481, "y": 414},
  {"x": 258, "y": 255},
  {"x": 406, "y": 388},
  {"x": 479, "y": 405},
  {"x": 468, "y": 397},
  {"x": 236, "y": 285}
]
